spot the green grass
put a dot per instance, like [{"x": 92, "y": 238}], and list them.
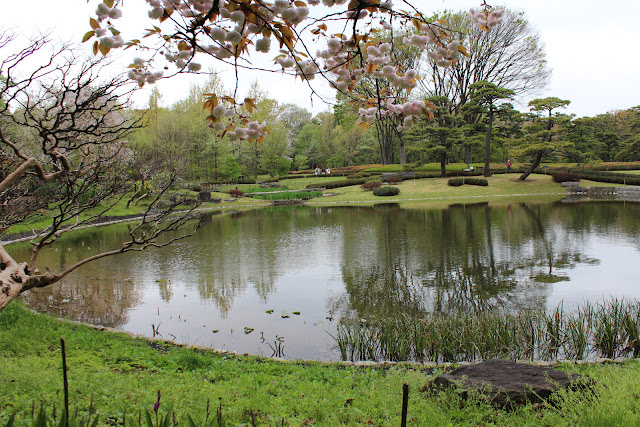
[
  {"x": 289, "y": 195},
  {"x": 437, "y": 189},
  {"x": 119, "y": 210},
  {"x": 254, "y": 189},
  {"x": 115, "y": 374},
  {"x": 425, "y": 190}
]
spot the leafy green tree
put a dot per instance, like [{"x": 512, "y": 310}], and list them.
[
  {"x": 607, "y": 145},
  {"x": 309, "y": 144},
  {"x": 439, "y": 134},
  {"x": 485, "y": 100},
  {"x": 229, "y": 167},
  {"x": 630, "y": 151},
  {"x": 300, "y": 162},
  {"x": 275, "y": 149},
  {"x": 542, "y": 135},
  {"x": 512, "y": 57},
  {"x": 581, "y": 133}
]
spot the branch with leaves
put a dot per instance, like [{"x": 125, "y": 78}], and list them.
[{"x": 63, "y": 149}]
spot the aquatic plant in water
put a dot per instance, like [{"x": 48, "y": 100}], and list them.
[{"x": 604, "y": 329}]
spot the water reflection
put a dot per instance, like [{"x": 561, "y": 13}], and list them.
[{"x": 251, "y": 271}]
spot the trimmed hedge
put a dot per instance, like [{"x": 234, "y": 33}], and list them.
[
  {"x": 386, "y": 191},
  {"x": 359, "y": 175},
  {"x": 457, "y": 182},
  {"x": 338, "y": 184},
  {"x": 614, "y": 166},
  {"x": 233, "y": 181},
  {"x": 561, "y": 177},
  {"x": 394, "y": 180},
  {"x": 609, "y": 177},
  {"x": 370, "y": 186}
]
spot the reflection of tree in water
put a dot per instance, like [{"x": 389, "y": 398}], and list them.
[
  {"x": 222, "y": 291},
  {"x": 99, "y": 302},
  {"x": 467, "y": 257}
]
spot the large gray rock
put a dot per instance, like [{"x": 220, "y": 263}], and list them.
[{"x": 507, "y": 384}]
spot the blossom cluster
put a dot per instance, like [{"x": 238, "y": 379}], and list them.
[
  {"x": 108, "y": 38},
  {"x": 429, "y": 39},
  {"x": 408, "y": 112},
  {"x": 226, "y": 29},
  {"x": 486, "y": 19},
  {"x": 253, "y": 131}
]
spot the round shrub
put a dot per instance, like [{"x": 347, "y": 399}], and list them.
[
  {"x": 386, "y": 191},
  {"x": 236, "y": 193},
  {"x": 369, "y": 186},
  {"x": 204, "y": 195},
  {"x": 561, "y": 177},
  {"x": 457, "y": 182},
  {"x": 476, "y": 181}
]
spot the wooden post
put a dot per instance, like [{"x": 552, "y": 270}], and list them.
[
  {"x": 405, "y": 404},
  {"x": 66, "y": 382}
]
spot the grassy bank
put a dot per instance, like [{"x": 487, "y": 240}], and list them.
[
  {"x": 119, "y": 210},
  {"x": 431, "y": 190},
  {"x": 111, "y": 375}
]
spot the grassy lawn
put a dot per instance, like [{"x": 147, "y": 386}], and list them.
[
  {"x": 437, "y": 188},
  {"x": 425, "y": 190},
  {"x": 120, "y": 210},
  {"x": 111, "y": 374}
]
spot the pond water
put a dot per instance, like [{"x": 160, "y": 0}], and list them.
[{"x": 275, "y": 281}]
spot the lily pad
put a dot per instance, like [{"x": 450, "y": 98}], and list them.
[{"x": 549, "y": 278}]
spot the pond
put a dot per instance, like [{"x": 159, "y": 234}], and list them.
[{"x": 275, "y": 281}]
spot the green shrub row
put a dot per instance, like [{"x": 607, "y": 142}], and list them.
[
  {"x": 338, "y": 184},
  {"x": 609, "y": 177},
  {"x": 615, "y": 166},
  {"x": 359, "y": 175},
  {"x": 289, "y": 195},
  {"x": 457, "y": 182},
  {"x": 561, "y": 177},
  {"x": 386, "y": 191},
  {"x": 233, "y": 181}
]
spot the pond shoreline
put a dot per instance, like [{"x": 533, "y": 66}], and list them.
[{"x": 21, "y": 237}]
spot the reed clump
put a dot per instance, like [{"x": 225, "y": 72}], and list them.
[{"x": 606, "y": 329}]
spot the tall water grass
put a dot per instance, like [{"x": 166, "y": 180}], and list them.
[{"x": 603, "y": 329}]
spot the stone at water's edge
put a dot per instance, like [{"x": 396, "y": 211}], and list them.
[{"x": 508, "y": 384}]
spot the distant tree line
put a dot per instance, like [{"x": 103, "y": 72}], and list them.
[{"x": 473, "y": 118}]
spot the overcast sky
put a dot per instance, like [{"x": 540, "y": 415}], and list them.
[{"x": 591, "y": 47}]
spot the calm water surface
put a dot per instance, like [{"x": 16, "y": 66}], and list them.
[{"x": 240, "y": 281}]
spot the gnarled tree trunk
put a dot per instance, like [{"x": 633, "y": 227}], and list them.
[
  {"x": 536, "y": 163},
  {"x": 15, "y": 279}
]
